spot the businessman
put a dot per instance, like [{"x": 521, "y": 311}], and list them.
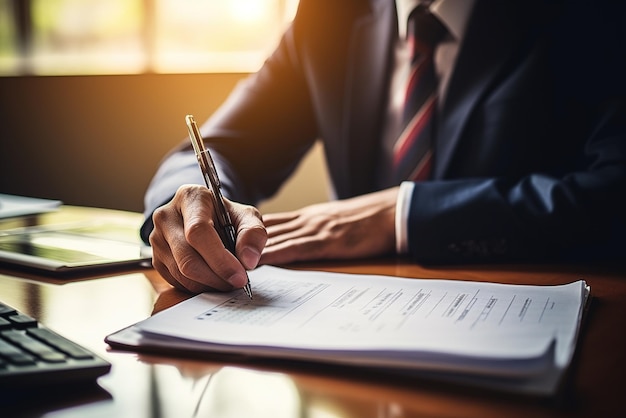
[{"x": 515, "y": 145}]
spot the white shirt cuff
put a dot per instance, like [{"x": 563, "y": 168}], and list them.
[{"x": 403, "y": 205}]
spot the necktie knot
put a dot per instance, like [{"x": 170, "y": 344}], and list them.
[{"x": 425, "y": 30}]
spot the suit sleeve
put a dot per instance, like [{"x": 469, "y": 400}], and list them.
[
  {"x": 257, "y": 137},
  {"x": 579, "y": 215}
]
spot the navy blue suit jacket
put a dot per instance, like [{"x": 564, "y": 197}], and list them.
[{"x": 530, "y": 158}]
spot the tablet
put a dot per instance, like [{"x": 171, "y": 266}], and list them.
[{"x": 75, "y": 246}]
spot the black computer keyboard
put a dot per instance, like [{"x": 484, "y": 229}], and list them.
[{"x": 33, "y": 355}]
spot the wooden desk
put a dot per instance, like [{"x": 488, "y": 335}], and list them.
[{"x": 87, "y": 308}]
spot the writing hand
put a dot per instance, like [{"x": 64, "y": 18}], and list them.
[
  {"x": 187, "y": 250},
  {"x": 360, "y": 227}
]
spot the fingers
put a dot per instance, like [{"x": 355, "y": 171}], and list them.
[
  {"x": 187, "y": 250},
  {"x": 174, "y": 256},
  {"x": 304, "y": 248},
  {"x": 251, "y": 234},
  {"x": 277, "y": 219},
  {"x": 165, "y": 263},
  {"x": 299, "y": 231},
  {"x": 286, "y": 226}
]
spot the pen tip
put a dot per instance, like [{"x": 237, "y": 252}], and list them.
[{"x": 248, "y": 290}]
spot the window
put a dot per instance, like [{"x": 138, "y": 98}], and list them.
[
  {"x": 135, "y": 36},
  {"x": 8, "y": 40}
]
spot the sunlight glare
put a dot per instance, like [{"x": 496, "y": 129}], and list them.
[{"x": 250, "y": 11}]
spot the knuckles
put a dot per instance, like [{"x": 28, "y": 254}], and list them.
[
  {"x": 189, "y": 266},
  {"x": 197, "y": 230}
]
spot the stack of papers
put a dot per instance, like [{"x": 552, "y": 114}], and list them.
[
  {"x": 507, "y": 337},
  {"x": 12, "y": 205}
]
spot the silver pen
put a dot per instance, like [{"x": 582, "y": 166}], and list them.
[{"x": 226, "y": 228}]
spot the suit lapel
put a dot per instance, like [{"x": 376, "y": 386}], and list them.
[
  {"x": 493, "y": 30},
  {"x": 366, "y": 86}
]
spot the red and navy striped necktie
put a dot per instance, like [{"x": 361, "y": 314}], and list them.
[{"x": 412, "y": 152}]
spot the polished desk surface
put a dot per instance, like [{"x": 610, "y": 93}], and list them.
[{"x": 86, "y": 308}]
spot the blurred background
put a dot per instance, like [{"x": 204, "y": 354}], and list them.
[{"x": 93, "y": 93}]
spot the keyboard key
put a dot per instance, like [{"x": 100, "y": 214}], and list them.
[
  {"x": 6, "y": 310},
  {"x": 60, "y": 343},
  {"x": 52, "y": 357},
  {"x": 5, "y": 324},
  {"x": 22, "y": 321},
  {"x": 14, "y": 355}
]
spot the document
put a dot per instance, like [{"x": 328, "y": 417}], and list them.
[
  {"x": 508, "y": 332},
  {"x": 12, "y": 205}
]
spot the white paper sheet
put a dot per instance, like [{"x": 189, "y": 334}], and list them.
[
  {"x": 12, "y": 205},
  {"x": 386, "y": 320}
]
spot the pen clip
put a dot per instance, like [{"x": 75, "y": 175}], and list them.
[
  {"x": 202, "y": 154},
  {"x": 209, "y": 173}
]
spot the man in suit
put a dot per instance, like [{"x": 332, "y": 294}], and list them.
[{"x": 528, "y": 143}]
